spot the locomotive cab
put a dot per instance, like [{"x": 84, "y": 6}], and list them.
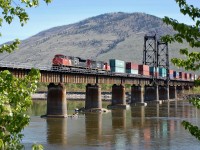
[{"x": 61, "y": 60}]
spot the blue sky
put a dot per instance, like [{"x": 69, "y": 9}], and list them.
[{"x": 63, "y": 12}]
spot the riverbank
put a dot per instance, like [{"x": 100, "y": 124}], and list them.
[
  {"x": 72, "y": 96},
  {"x": 106, "y": 96}
]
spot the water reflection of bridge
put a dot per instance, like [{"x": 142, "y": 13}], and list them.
[{"x": 120, "y": 128}]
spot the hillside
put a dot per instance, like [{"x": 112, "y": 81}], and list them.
[{"x": 113, "y": 35}]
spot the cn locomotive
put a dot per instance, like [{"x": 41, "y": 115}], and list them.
[{"x": 63, "y": 61}]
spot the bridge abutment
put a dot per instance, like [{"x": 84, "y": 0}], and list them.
[
  {"x": 56, "y": 101},
  {"x": 93, "y": 97}
]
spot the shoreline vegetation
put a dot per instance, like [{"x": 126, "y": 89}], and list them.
[{"x": 77, "y": 92}]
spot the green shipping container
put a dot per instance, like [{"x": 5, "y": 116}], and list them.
[
  {"x": 162, "y": 72},
  {"x": 117, "y": 63},
  {"x": 118, "y": 69},
  {"x": 132, "y": 71},
  {"x": 153, "y": 69}
]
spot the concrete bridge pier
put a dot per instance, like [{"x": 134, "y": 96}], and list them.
[
  {"x": 187, "y": 88},
  {"x": 173, "y": 92},
  {"x": 164, "y": 92},
  {"x": 137, "y": 95},
  {"x": 56, "y": 101},
  {"x": 152, "y": 93},
  {"x": 180, "y": 91},
  {"x": 118, "y": 97},
  {"x": 93, "y": 97}
]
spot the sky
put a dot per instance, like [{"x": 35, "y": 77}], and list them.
[{"x": 63, "y": 12}]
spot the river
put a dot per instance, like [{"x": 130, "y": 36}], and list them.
[{"x": 151, "y": 127}]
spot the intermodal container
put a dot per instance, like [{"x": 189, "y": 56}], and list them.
[
  {"x": 118, "y": 69},
  {"x": 187, "y": 76},
  {"x": 162, "y": 72},
  {"x": 191, "y": 77},
  {"x": 153, "y": 71},
  {"x": 130, "y": 65},
  {"x": 171, "y": 76},
  {"x": 117, "y": 63},
  {"x": 171, "y": 71},
  {"x": 181, "y": 75},
  {"x": 142, "y": 72},
  {"x": 143, "y": 67},
  {"x": 176, "y": 75},
  {"x": 132, "y": 71},
  {"x": 106, "y": 66},
  {"x": 195, "y": 77}
]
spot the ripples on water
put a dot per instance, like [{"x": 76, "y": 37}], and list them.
[{"x": 154, "y": 127}]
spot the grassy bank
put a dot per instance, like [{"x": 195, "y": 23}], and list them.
[{"x": 71, "y": 87}]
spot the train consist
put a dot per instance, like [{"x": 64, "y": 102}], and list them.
[{"x": 115, "y": 66}]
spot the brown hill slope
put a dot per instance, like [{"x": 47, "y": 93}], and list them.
[{"x": 113, "y": 35}]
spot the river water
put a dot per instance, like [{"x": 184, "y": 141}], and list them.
[{"x": 153, "y": 127}]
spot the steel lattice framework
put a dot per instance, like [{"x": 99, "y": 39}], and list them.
[
  {"x": 156, "y": 54},
  {"x": 163, "y": 56},
  {"x": 150, "y": 51}
]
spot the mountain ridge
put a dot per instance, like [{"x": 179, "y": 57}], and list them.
[{"x": 115, "y": 35}]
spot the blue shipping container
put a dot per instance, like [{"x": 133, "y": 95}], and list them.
[
  {"x": 117, "y": 63},
  {"x": 162, "y": 72},
  {"x": 153, "y": 69},
  {"x": 132, "y": 71},
  {"x": 176, "y": 74},
  {"x": 118, "y": 69}
]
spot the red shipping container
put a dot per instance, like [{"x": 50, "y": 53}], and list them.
[
  {"x": 181, "y": 75},
  {"x": 130, "y": 65},
  {"x": 143, "y": 68},
  {"x": 187, "y": 76},
  {"x": 155, "y": 74},
  {"x": 142, "y": 72},
  {"x": 171, "y": 71},
  {"x": 106, "y": 66}
]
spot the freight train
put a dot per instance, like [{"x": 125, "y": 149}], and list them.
[
  {"x": 115, "y": 67},
  {"x": 71, "y": 62}
]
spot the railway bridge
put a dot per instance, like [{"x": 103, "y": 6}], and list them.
[{"x": 143, "y": 87}]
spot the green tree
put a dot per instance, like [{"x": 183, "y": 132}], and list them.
[
  {"x": 191, "y": 35},
  {"x": 15, "y": 93}
]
